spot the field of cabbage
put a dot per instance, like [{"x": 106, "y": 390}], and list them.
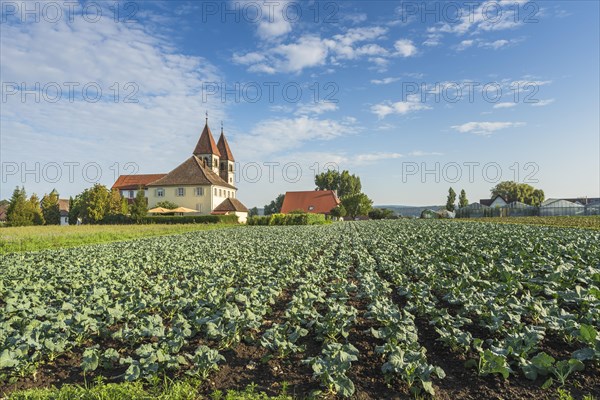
[{"x": 370, "y": 310}]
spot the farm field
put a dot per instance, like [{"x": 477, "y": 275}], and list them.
[
  {"x": 368, "y": 310},
  {"x": 584, "y": 222},
  {"x": 32, "y": 238}
]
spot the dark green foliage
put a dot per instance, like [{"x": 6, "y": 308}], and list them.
[
  {"x": 339, "y": 211},
  {"x": 274, "y": 207},
  {"x": 139, "y": 208},
  {"x": 462, "y": 199},
  {"x": 344, "y": 183},
  {"x": 382, "y": 213},
  {"x": 358, "y": 204},
  {"x": 288, "y": 219},
  {"x": 253, "y": 212},
  {"x": 50, "y": 208},
  {"x": 19, "y": 211},
  {"x": 513, "y": 191},
  {"x": 173, "y": 219},
  {"x": 450, "y": 206}
]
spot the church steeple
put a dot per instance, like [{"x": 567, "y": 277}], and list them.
[
  {"x": 226, "y": 169},
  {"x": 206, "y": 149}
]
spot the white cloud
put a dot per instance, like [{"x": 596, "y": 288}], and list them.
[
  {"x": 485, "y": 128},
  {"x": 169, "y": 97},
  {"x": 405, "y": 48},
  {"x": 316, "y": 108},
  {"x": 273, "y": 22},
  {"x": 281, "y": 134},
  {"x": 505, "y": 105},
  {"x": 465, "y": 44},
  {"x": 411, "y": 104},
  {"x": 311, "y": 51},
  {"x": 482, "y": 18},
  {"x": 419, "y": 153},
  {"x": 384, "y": 81},
  {"x": 543, "y": 103},
  {"x": 433, "y": 39}
]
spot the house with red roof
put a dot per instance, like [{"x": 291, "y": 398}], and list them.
[
  {"x": 312, "y": 201},
  {"x": 203, "y": 182}
]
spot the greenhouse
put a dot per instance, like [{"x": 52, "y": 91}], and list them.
[{"x": 562, "y": 208}]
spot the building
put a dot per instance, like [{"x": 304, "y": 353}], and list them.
[
  {"x": 63, "y": 208},
  {"x": 128, "y": 185},
  {"x": 497, "y": 201},
  {"x": 313, "y": 201},
  {"x": 203, "y": 182},
  {"x": 232, "y": 206}
]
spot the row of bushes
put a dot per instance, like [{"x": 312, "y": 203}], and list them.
[
  {"x": 288, "y": 219},
  {"x": 172, "y": 219}
]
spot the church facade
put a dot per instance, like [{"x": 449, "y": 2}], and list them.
[{"x": 204, "y": 182}]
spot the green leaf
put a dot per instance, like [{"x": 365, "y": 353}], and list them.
[
  {"x": 90, "y": 360},
  {"x": 428, "y": 386},
  {"x": 548, "y": 383},
  {"x": 584, "y": 354},
  {"x": 588, "y": 333},
  {"x": 132, "y": 373},
  {"x": 6, "y": 360}
]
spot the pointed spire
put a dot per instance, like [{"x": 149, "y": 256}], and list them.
[
  {"x": 206, "y": 143},
  {"x": 223, "y": 147}
]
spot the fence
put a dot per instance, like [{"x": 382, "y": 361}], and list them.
[{"x": 484, "y": 212}]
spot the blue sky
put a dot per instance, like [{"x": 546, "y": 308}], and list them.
[{"x": 389, "y": 90}]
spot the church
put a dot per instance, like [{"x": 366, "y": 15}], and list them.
[{"x": 204, "y": 182}]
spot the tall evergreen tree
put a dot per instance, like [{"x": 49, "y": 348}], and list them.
[
  {"x": 50, "y": 208},
  {"x": 451, "y": 200},
  {"x": 73, "y": 211},
  {"x": 462, "y": 199},
  {"x": 36, "y": 210},
  {"x": 18, "y": 212},
  {"x": 139, "y": 208}
]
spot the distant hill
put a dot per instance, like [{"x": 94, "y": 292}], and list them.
[{"x": 409, "y": 211}]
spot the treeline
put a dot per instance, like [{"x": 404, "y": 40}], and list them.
[{"x": 91, "y": 206}]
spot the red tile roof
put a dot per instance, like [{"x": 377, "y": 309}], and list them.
[
  {"x": 224, "y": 149},
  {"x": 314, "y": 201},
  {"x": 132, "y": 182},
  {"x": 206, "y": 143},
  {"x": 191, "y": 172}
]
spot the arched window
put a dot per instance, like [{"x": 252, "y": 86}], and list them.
[
  {"x": 222, "y": 166},
  {"x": 215, "y": 191},
  {"x": 230, "y": 168}
]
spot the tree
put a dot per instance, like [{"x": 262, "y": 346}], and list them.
[
  {"x": 274, "y": 207},
  {"x": 253, "y": 212},
  {"x": 357, "y": 204},
  {"x": 115, "y": 203},
  {"x": 344, "y": 183},
  {"x": 139, "y": 208},
  {"x": 513, "y": 191},
  {"x": 97, "y": 203},
  {"x": 167, "y": 204},
  {"x": 338, "y": 211},
  {"x": 73, "y": 211},
  {"x": 451, "y": 200},
  {"x": 462, "y": 199},
  {"x": 19, "y": 213},
  {"x": 381, "y": 213},
  {"x": 36, "y": 210},
  {"x": 50, "y": 208}
]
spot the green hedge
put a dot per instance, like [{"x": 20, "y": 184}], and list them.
[
  {"x": 172, "y": 219},
  {"x": 288, "y": 219}
]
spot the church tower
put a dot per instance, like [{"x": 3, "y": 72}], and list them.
[
  {"x": 206, "y": 149},
  {"x": 227, "y": 164}
]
